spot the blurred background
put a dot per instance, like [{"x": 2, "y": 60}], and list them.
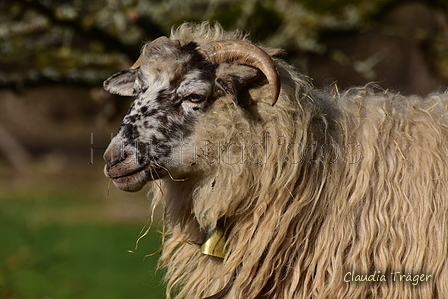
[{"x": 65, "y": 231}]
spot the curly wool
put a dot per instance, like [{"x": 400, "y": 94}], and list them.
[{"x": 317, "y": 186}]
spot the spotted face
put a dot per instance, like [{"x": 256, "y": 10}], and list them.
[
  {"x": 175, "y": 84},
  {"x": 173, "y": 88}
]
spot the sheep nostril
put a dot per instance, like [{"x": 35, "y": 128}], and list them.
[{"x": 114, "y": 154}]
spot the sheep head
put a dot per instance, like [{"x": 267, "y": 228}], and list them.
[{"x": 175, "y": 84}]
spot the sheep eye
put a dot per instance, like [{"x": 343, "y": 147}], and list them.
[{"x": 194, "y": 98}]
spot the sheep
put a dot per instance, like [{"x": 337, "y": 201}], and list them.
[{"x": 275, "y": 189}]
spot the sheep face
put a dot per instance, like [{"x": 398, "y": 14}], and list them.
[
  {"x": 175, "y": 84},
  {"x": 173, "y": 88}
]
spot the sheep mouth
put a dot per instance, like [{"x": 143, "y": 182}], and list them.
[{"x": 131, "y": 178}]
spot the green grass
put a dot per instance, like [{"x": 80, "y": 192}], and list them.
[{"x": 44, "y": 253}]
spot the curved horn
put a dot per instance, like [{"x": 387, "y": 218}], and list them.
[
  {"x": 241, "y": 52},
  {"x": 136, "y": 64}
]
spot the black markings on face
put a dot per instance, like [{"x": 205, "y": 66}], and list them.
[
  {"x": 158, "y": 120},
  {"x": 147, "y": 125},
  {"x": 149, "y": 113},
  {"x": 162, "y": 119},
  {"x": 132, "y": 118},
  {"x": 129, "y": 132},
  {"x": 143, "y": 153}
]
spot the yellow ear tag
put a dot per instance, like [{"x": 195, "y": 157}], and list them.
[{"x": 214, "y": 244}]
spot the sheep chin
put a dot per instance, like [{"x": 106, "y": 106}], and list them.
[{"x": 133, "y": 182}]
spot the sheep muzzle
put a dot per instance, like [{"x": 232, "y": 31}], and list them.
[{"x": 123, "y": 168}]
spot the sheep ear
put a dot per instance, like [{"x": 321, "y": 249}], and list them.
[
  {"x": 228, "y": 87},
  {"x": 230, "y": 79},
  {"x": 122, "y": 83}
]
